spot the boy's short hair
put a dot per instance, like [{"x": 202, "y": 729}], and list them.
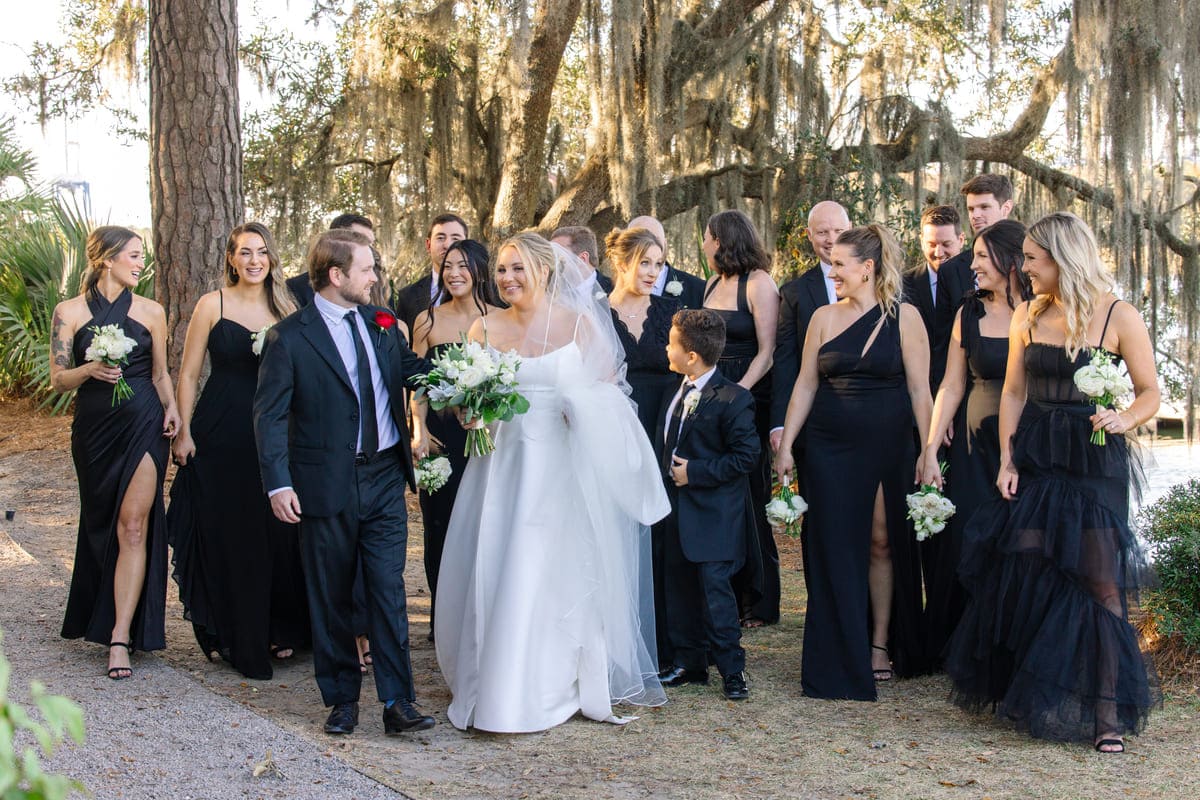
[
  {"x": 701, "y": 331},
  {"x": 998, "y": 186}
]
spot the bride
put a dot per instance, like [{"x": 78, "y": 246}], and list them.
[{"x": 544, "y": 601}]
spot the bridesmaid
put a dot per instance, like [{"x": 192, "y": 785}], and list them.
[
  {"x": 863, "y": 375},
  {"x": 237, "y": 567},
  {"x": 978, "y": 347},
  {"x": 743, "y": 293},
  {"x": 119, "y": 583},
  {"x": 465, "y": 295}
]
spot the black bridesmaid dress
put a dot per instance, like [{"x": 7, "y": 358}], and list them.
[
  {"x": 973, "y": 465},
  {"x": 237, "y": 566},
  {"x": 1045, "y": 640},
  {"x": 859, "y": 438},
  {"x": 436, "y": 507},
  {"x": 758, "y": 582},
  {"x": 108, "y": 444}
]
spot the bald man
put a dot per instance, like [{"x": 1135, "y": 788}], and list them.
[{"x": 688, "y": 288}]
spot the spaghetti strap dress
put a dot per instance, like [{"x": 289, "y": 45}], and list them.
[
  {"x": 108, "y": 442},
  {"x": 1045, "y": 640}
]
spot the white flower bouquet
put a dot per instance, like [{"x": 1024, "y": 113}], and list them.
[
  {"x": 1102, "y": 383},
  {"x": 929, "y": 511},
  {"x": 432, "y": 472},
  {"x": 258, "y": 339},
  {"x": 482, "y": 383},
  {"x": 111, "y": 346},
  {"x": 786, "y": 510}
]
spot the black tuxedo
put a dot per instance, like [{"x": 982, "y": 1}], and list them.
[
  {"x": 955, "y": 280},
  {"x": 306, "y": 425},
  {"x": 410, "y": 301},
  {"x": 301, "y": 288},
  {"x": 692, "y": 293},
  {"x": 604, "y": 282},
  {"x": 799, "y": 298},
  {"x": 704, "y": 537}
]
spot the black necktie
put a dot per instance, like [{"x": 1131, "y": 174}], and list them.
[
  {"x": 366, "y": 391},
  {"x": 941, "y": 299},
  {"x": 673, "y": 428}
]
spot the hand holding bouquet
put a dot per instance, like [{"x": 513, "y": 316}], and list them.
[
  {"x": 481, "y": 383},
  {"x": 112, "y": 347},
  {"x": 432, "y": 472},
  {"x": 786, "y": 509},
  {"x": 1102, "y": 383}
]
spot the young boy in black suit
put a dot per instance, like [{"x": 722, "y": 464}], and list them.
[{"x": 708, "y": 447}]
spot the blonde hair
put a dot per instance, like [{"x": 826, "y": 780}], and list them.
[
  {"x": 626, "y": 248},
  {"x": 1082, "y": 278},
  {"x": 279, "y": 299},
  {"x": 537, "y": 255},
  {"x": 875, "y": 242},
  {"x": 104, "y": 244}
]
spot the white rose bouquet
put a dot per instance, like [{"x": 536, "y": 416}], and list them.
[
  {"x": 111, "y": 346},
  {"x": 786, "y": 510},
  {"x": 258, "y": 339},
  {"x": 432, "y": 472},
  {"x": 484, "y": 385},
  {"x": 1102, "y": 383},
  {"x": 929, "y": 510}
]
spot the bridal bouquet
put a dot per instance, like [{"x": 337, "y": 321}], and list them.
[
  {"x": 929, "y": 510},
  {"x": 481, "y": 383},
  {"x": 111, "y": 346},
  {"x": 258, "y": 339},
  {"x": 433, "y": 472},
  {"x": 786, "y": 509},
  {"x": 1102, "y": 383}
]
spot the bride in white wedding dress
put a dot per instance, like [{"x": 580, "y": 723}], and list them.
[{"x": 544, "y": 599}]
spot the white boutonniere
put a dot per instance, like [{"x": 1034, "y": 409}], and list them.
[
  {"x": 690, "y": 401},
  {"x": 673, "y": 288},
  {"x": 258, "y": 339}
]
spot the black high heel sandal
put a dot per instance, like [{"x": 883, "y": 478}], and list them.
[
  {"x": 114, "y": 673},
  {"x": 882, "y": 675}
]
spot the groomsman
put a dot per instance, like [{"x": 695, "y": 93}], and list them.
[
  {"x": 676, "y": 283},
  {"x": 935, "y": 288},
  {"x": 299, "y": 285},
  {"x": 580, "y": 240},
  {"x": 989, "y": 199},
  {"x": 334, "y": 454},
  {"x": 444, "y": 230}
]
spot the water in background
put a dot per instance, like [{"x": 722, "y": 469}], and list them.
[{"x": 1170, "y": 461}]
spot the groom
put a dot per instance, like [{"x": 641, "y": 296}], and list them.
[{"x": 333, "y": 449}]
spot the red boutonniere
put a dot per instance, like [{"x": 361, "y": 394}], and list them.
[{"x": 384, "y": 321}]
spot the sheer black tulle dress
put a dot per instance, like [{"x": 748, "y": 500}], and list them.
[
  {"x": 974, "y": 462},
  {"x": 237, "y": 566},
  {"x": 859, "y": 439},
  {"x": 1045, "y": 640},
  {"x": 436, "y": 507},
  {"x": 757, "y": 584},
  {"x": 108, "y": 444},
  {"x": 652, "y": 384}
]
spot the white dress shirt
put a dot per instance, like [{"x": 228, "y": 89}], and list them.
[
  {"x": 830, "y": 292},
  {"x": 692, "y": 386},
  {"x": 933, "y": 283}
]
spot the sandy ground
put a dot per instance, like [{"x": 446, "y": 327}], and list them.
[{"x": 187, "y": 728}]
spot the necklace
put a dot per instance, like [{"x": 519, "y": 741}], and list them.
[{"x": 637, "y": 313}]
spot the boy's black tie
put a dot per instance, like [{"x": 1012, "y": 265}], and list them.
[{"x": 673, "y": 427}]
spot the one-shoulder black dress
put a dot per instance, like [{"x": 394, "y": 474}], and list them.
[
  {"x": 1045, "y": 640},
  {"x": 859, "y": 439},
  {"x": 237, "y": 566},
  {"x": 108, "y": 442}
]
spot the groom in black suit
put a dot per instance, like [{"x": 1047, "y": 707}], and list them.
[{"x": 334, "y": 453}]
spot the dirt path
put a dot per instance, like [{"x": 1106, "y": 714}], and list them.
[{"x": 912, "y": 743}]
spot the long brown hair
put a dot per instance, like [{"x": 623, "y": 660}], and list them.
[
  {"x": 279, "y": 299},
  {"x": 104, "y": 244}
]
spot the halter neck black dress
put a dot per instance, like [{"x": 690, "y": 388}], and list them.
[{"x": 108, "y": 444}]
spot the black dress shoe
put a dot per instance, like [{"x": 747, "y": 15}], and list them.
[
  {"x": 342, "y": 719},
  {"x": 735, "y": 686},
  {"x": 402, "y": 717},
  {"x": 678, "y": 676}
]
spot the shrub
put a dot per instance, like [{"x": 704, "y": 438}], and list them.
[
  {"x": 21, "y": 776},
  {"x": 1172, "y": 526}
]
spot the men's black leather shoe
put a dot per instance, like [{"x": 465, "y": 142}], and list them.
[
  {"x": 342, "y": 719},
  {"x": 403, "y": 717},
  {"x": 735, "y": 686},
  {"x": 678, "y": 676}
]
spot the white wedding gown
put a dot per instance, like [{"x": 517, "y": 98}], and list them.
[{"x": 544, "y": 597}]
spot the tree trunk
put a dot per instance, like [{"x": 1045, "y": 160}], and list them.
[{"x": 195, "y": 151}]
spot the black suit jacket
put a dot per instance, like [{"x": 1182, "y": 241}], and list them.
[
  {"x": 301, "y": 288},
  {"x": 410, "y": 301},
  {"x": 306, "y": 410},
  {"x": 604, "y": 282},
  {"x": 955, "y": 281},
  {"x": 799, "y": 298},
  {"x": 692, "y": 292},
  {"x": 720, "y": 443}
]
